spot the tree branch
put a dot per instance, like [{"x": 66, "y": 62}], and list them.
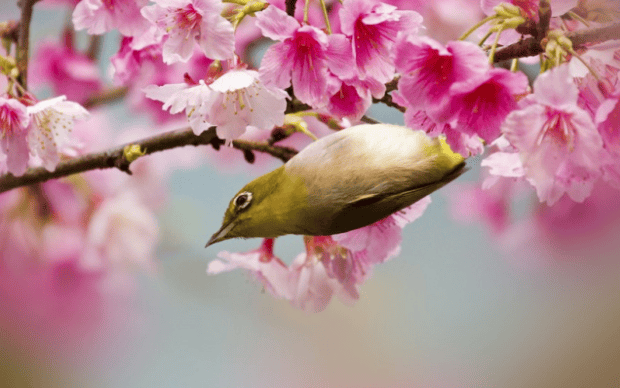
[
  {"x": 106, "y": 97},
  {"x": 290, "y": 7},
  {"x": 114, "y": 158},
  {"x": 23, "y": 39},
  {"x": 532, "y": 46}
]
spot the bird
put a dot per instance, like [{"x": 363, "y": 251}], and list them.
[{"x": 341, "y": 182}]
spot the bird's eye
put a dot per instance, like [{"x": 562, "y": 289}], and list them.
[{"x": 243, "y": 200}]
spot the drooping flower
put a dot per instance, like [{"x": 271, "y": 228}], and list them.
[
  {"x": 373, "y": 28},
  {"x": 100, "y": 16},
  {"x": 561, "y": 150},
  {"x": 14, "y": 121},
  {"x": 49, "y": 132},
  {"x": 353, "y": 98},
  {"x": 261, "y": 263},
  {"x": 183, "y": 23},
  {"x": 234, "y": 101},
  {"x": 305, "y": 57},
  {"x": 320, "y": 273}
]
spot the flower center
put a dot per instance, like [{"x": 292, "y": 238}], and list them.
[
  {"x": 9, "y": 121},
  {"x": 187, "y": 18},
  {"x": 560, "y": 128}
]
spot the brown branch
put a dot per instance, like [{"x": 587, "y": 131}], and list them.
[
  {"x": 106, "y": 97},
  {"x": 290, "y": 7},
  {"x": 532, "y": 46},
  {"x": 387, "y": 100},
  {"x": 114, "y": 158},
  {"x": 23, "y": 39}
]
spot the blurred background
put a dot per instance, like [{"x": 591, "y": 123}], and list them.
[{"x": 462, "y": 305}]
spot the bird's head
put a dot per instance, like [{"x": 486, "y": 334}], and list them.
[{"x": 269, "y": 206}]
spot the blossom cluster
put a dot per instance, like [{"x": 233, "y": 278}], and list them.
[{"x": 194, "y": 62}]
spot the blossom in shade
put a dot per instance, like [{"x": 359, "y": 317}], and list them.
[
  {"x": 69, "y": 72},
  {"x": 353, "y": 98},
  {"x": 49, "y": 132},
  {"x": 373, "y": 28},
  {"x": 100, "y": 16},
  {"x": 381, "y": 241},
  {"x": 183, "y": 23},
  {"x": 480, "y": 104},
  {"x": 305, "y": 57},
  {"x": 561, "y": 150},
  {"x": 261, "y": 263},
  {"x": 233, "y": 102},
  {"x": 428, "y": 70},
  {"x": 128, "y": 62},
  {"x": 14, "y": 121}
]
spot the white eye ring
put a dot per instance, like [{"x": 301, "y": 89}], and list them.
[{"x": 243, "y": 200}]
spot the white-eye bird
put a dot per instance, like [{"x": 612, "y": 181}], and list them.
[{"x": 343, "y": 181}]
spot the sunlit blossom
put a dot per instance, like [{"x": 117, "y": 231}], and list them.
[
  {"x": 234, "y": 101},
  {"x": 185, "y": 23},
  {"x": 50, "y": 128},
  {"x": 373, "y": 28},
  {"x": 561, "y": 150}
]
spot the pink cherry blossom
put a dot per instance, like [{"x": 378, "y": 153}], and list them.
[
  {"x": 381, "y": 241},
  {"x": 608, "y": 121},
  {"x": 187, "y": 22},
  {"x": 351, "y": 101},
  {"x": 14, "y": 121},
  {"x": 100, "y": 16},
  {"x": 429, "y": 69},
  {"x": 128, "y": 62},
  {"x": 305, "y": 56},
  {"x": 561, "y": 150},
  {"x": 480, "y": 104},
  {"x": 49, "y": 133},
  {"x": 373, "y": 28},
  {"x": 261, "y": 263},
  {"x": 462, "y": 143},
  {"x": 122, "y": 232},
  {"x": 234, "y": 101},
  {"x": 313, "y": 287},
  {"x": 68, "y": 71}
]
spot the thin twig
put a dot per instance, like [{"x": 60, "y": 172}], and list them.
[
  {"x": 290, "y": 7},
  {"x": 387, "y": 100},
  {"x": 106, "y": 96},
  {"x": 114, "y": 158},
  {"x": 532, "y": 46},
  {"x": 23, "y": 39}
]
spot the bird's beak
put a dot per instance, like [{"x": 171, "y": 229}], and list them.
[{"x": 220, "y": 235}]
